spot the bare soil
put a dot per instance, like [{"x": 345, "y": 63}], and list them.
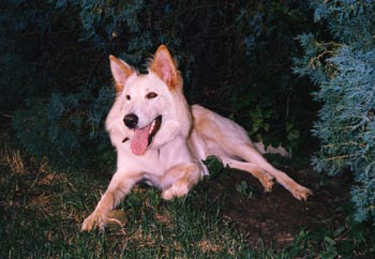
[{"x": 274, "y": 218}]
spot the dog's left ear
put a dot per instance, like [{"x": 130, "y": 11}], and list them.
[{"x": 166, "y": 68}]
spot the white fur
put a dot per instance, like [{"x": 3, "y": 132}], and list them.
[{"x": 173, "y": 160}]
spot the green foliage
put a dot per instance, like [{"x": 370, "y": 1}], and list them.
[
  {"x": 343, "y": 68},
  {"x": 62, "y": 128},
  {"x": 247, "y": 191},
  {"x": 266, "y": 100},
  {"x": 18, "y": 75},
  {"x": 235, "y": 58},
  {"x": 214, "y": 165},
  {"x": 326, "y": 243}
]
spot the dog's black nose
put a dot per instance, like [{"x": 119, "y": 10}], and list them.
[{"x": 131, "y": 120}]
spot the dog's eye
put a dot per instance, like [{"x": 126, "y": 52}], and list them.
[
  {"x": 151, "y": 95},
  {"x": 128, "y": 97}
]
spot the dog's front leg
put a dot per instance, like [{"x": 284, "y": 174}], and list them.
[
  {"x": 182, "y": 177},
  {"x": 119, "y": 186}
]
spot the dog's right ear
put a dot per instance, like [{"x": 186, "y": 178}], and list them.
[{"x": 120, "y": 72}]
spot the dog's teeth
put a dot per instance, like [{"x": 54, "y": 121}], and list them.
[{"x": 152, "y": 127}]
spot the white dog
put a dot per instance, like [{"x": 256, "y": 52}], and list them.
[{"x": 161, "y": 140}]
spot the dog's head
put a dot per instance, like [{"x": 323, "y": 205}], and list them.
[{"x": 146, "y": 100}]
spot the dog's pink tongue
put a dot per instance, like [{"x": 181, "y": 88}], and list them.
[{"x": 139, "y": 141}]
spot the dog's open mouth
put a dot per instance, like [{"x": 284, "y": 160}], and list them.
[{"x": 142, "y": 137}]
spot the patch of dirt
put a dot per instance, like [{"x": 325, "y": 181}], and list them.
[{"x": 275, "y": 217}]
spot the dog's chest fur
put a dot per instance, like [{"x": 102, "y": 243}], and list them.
[{"x": 155, "y": 162}]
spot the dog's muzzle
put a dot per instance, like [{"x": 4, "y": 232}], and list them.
[{"x": 142, "y": 137}]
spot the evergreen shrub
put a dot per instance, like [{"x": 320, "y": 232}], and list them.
[
  {"x": 342, "y": 64},
  {"x": 235, "y": 58}
]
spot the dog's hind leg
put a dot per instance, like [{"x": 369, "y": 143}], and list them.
[
  {"x": 265, "y": 179},
  {"x": 249, "y": 153},
  {"x": 119, "y": 186},
  {"x": 223, "y": 136}
]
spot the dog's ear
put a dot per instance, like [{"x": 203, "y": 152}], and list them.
[
  {"x": 120, "y": 72},
  {"x": 166, "y": 68}
]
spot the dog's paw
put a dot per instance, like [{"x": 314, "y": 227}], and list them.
[
  {"x": 93, "y": 221},
  {"x": 267, "y": 181},
  {"x": 301, "y": 193},
  {"x": 175, "y": 191}
]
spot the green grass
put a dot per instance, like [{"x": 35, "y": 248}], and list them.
[{"x": 42, "y": 209}]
